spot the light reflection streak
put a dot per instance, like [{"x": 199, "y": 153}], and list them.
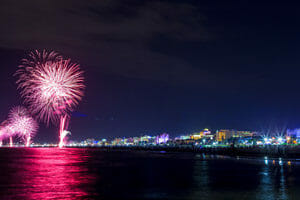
[
  {"x": 54, "y": 174},
  {"x": 201, "y": 177},
  {"x": 267, "y": 189}
]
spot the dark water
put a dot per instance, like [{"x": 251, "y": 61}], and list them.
[{"x": 50, "y": 173}]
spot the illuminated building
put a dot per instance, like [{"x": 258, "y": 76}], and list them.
[
  {"x": 224, "y": 134},
  {"x": 183, "y": 140},
  {"x": 145, "y": 138},
  {"x": 244, "y": 134},
  {"x": 117, "y": 141},
  {"x": 89, "y": 142},
  {"x": 136, "y": 140},
  {"x": 128, "y": 141},
  {"x": 201, "y": 134},
  {"x": 183, "y": 137},
  {"x": 162, "y": 139},
  {"x": 293, "y": 135}
]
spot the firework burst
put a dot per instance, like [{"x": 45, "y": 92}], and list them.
[
  {"x": 51, "y": 86},
  {"x": 5, "y": 130},
  {"x": 22, "y": 124}
]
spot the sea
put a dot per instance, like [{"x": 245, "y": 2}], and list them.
[{"x": 95, "y": 173}]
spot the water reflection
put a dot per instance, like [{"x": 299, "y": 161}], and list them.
[
  {"x": 241, "y": 178},
  {"x": 51, "y": 174},
  {"x": 200, "y": 177},
  {"x": 283, "y": 187},
  {"x": 265, "y": 188},
  {"x": 95, "y": 174},
  {"x": 273, "y": 181}
]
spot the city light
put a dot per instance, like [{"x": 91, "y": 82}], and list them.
[{"x": 229, "y": 138}]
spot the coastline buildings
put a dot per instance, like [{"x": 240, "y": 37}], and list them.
[
  {"x": 204, "y": 138},
  {"x": 224, "y": 134},
  {"x": 204, "y": 133}
]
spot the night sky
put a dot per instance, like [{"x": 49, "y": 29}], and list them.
[{"x": 162, "y": 66}]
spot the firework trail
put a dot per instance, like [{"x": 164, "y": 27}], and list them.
[
  {"x": 22, "y": 124},
  {"x": 11, "y": 144},
  {"x": 51, "y": 86},
  {"x": 63, "y": 121}
]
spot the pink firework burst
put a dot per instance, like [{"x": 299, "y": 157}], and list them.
[
  {"x": 50, "y": 85},
  {"x": 22, "y": 124},
  {"x": 5, "y": 130}
]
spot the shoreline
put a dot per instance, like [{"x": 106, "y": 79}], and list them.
[
  {"x": 269, "y": 151},
  {"x": 278, "y": 151}
]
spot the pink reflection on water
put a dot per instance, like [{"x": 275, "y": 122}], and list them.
[{"x": 55, "y": 174}]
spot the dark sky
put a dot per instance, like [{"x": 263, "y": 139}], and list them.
[{"x": 163, "y": 66}]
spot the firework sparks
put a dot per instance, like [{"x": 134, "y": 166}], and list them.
[
  {"x": 22, "y": 124},
  {"x": 51, "y": 87},
  {"x": 6, "y": 130}
]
